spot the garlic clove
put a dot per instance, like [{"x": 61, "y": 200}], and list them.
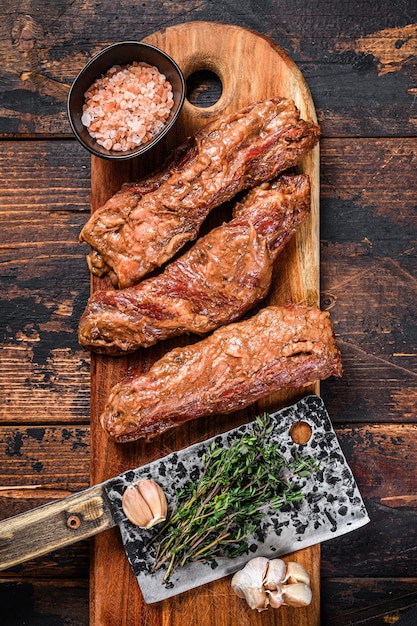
[
  {"x": 155, "y": 498},
  {"x": 296, "y": 573},
  {"x": 275, "y": 598},
  {"x": 297, "y": 594},
  {"x": 144, "y": 503},
  {"x": 248, "y": 583},
  {"x": 275, "y": 574}
]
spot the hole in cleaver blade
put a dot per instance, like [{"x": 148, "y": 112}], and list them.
[{"x": 332, "y": 505}]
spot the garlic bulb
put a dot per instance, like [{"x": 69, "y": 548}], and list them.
[
  {"x": 274, "y": 583},
  {"x": 144, "y": 503},
  {"x": 248, "y": 583}
]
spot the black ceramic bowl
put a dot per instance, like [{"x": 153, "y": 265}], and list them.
[{"x": 121, "y": 54}]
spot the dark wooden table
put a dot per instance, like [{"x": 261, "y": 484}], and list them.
[{"x": 360, "y": 61}]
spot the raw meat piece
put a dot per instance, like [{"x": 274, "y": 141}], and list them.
[{"x": 223, "y": 275}]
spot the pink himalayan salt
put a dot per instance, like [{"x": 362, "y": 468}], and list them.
[{"x": 128, "y": 106}]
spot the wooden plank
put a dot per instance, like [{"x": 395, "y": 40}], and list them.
[
  {"x": 44, "y": 195},
  {"x": 357, "y": 57},
  {"x": 383, "y": 459},
  {"x": 368, "y": 276},
  {"x": 361, "y": 198},
  {"x": 368, "y": 601},
  {"x": 72, "y": 563},
  {"x": 348, "y": 260},
  {"x": 43, "y": 459},
  {"x": 190, "y": 45},
  {"x": 43, "y": 383},
  {"x": 42, "y": 464},
  {"x": 43, "y": 177},
  {"x": 359, "y": 61},
  {"x": 347, "y": 601},
  {"x": 36, "y": 601},
  {"x": 370, "y": 449},
  {"x": 44, "y": 282}
]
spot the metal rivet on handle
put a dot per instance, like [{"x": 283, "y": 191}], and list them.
[{"x": 73, "y": 522}]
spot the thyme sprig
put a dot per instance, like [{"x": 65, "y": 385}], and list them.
[{"x": 215, "y": 516}]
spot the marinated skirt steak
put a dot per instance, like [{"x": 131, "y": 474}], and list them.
[
  {"x": 222, "y": 276},
  {"x": 280, "y": 347},
  {"x": 146, "y": 223}
]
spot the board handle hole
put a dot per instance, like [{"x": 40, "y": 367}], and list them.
[
  {"x": 204, "y": 88},
  {"x": 301, "y": 432}
]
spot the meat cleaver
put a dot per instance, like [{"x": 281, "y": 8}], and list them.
[{"x": 332, "y": 506}]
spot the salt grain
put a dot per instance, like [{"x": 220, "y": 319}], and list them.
[{"x": 127, "y": 99}]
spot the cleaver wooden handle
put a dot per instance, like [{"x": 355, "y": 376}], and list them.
[{"x": 54, "y": 526}]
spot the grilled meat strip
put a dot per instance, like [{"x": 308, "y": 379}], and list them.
[
  {"x": 238, "y": 364},
  {"x": 222, "y": 276},
  {"x": 145, "y": 224}
]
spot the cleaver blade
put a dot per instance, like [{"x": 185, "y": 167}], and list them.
[{"x": 332, "y": 506}]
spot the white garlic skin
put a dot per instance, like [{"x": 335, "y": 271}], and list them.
[
  {"x": 248, "y": 583},
  {"x": 144, "y": 503}
]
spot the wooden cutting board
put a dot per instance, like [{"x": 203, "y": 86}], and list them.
[{"x": 250, "y": 68}]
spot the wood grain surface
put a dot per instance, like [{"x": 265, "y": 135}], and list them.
[
  {"x": 359, "y": 60},
  {"x": 224, "y": 50}
]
